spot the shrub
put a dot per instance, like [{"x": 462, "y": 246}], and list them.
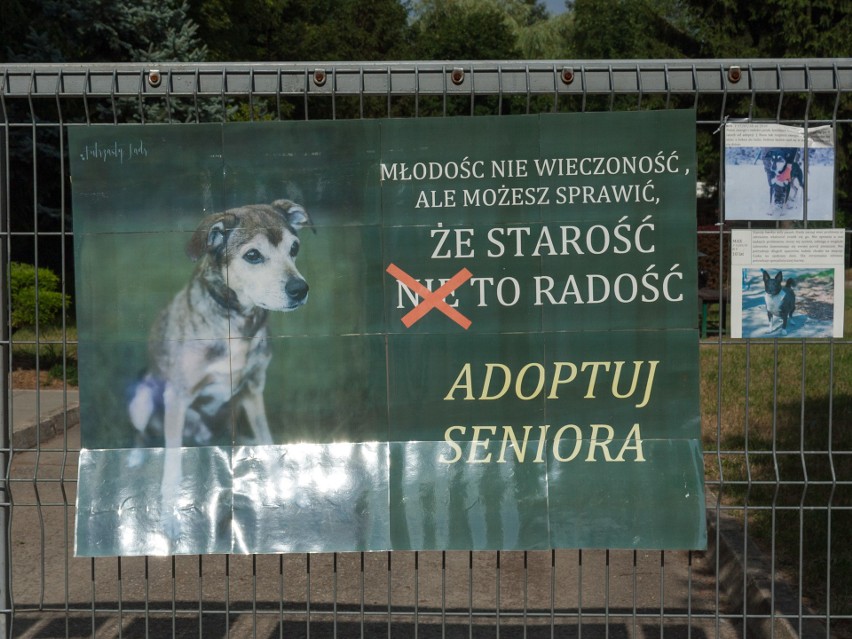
[{"x": 22, "y": 288}]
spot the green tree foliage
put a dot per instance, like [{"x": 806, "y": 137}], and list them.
[
  {"x": 46, "y": 307},
  {"x": 625, "y": 29},
  {"x": 638, "y": 29},
  {"x": 537, "y": 35},
  {"x": 460, "y": 30},
  {"x": 13, "y": 14},
  {"x": 772, "y": 28},
  {"x": 108, "y": 31},
  {"x": 303, "y": 30},
  {"x": 546, "y": 39}
]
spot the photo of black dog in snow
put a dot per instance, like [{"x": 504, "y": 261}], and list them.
[
  {"x": 787, "y": 302},
  {"x": 774, "y": 182},
  {"x": 785, "y": 176}
]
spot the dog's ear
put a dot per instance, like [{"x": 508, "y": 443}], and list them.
[
  {"x": 211, "y": 234},
  {"x": 765, "y": 275},
  {"x": 779, "y": 277},
  {"x": 294, "y": 214}
]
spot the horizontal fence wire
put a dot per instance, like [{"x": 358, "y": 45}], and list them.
[{"x": 775, "y": 414}]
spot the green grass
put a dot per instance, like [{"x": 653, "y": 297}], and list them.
[
  {"x": 50, "y": 350},
  {"x": 776, "y": 435}
]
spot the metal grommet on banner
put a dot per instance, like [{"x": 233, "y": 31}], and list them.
[
  {"x": 457, "y": 75},
  {"x": 154, "y": 78},
  {"x": 735, "y": 74},
  {"x": 320, "y": 77},
  {"x": 567, "y": 75}
]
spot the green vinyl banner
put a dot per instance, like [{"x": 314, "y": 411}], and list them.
[{"x": 408, "y": 334}]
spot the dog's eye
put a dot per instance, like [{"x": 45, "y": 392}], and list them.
[
  {"x": 294, "y": 250},
  {"x": 253, "y": 256}
]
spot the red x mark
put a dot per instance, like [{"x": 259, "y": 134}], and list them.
[{"x": 432, "y": 299}]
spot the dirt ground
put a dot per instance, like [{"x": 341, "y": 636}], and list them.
[{"x": 26, "y": 380}]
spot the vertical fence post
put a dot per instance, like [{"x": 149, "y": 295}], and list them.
[{"x": 5, "y": 402}]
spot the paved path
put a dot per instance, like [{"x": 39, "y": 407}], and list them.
[
  {"x": 39, "y": 415},
  {"x": 617, "y": 594}
]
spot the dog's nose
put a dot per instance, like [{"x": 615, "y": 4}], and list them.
[{"x": 296, "y": 289}]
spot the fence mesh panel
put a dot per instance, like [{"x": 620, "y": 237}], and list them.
[{"x": 775, "y": 413}]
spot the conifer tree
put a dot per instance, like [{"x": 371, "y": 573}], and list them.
[{"x": 109, "y": 31}]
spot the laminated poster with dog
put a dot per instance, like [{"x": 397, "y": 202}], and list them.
[
  {"x": 791, "y": 286},
  {"x": 433, "y": 333},
  {"x": 778, "y": 172}
]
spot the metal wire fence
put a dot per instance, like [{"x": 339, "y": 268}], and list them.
[{"x": 775, "y": 413}]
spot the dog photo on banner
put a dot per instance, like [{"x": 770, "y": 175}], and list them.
[{"x": 778, "y": 172}]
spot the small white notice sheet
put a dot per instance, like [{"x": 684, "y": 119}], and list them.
[{"x": 787, "y": 283}]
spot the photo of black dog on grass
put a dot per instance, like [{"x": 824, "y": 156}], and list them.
[{"x": 780, "y": 299}]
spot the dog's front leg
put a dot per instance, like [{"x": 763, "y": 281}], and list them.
[
  {"x": 175, "y": 405},
  {"x": 256, "y": 415},
  {"x": 773, "y": 325},
  {"x": 793, "y": 194}
]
